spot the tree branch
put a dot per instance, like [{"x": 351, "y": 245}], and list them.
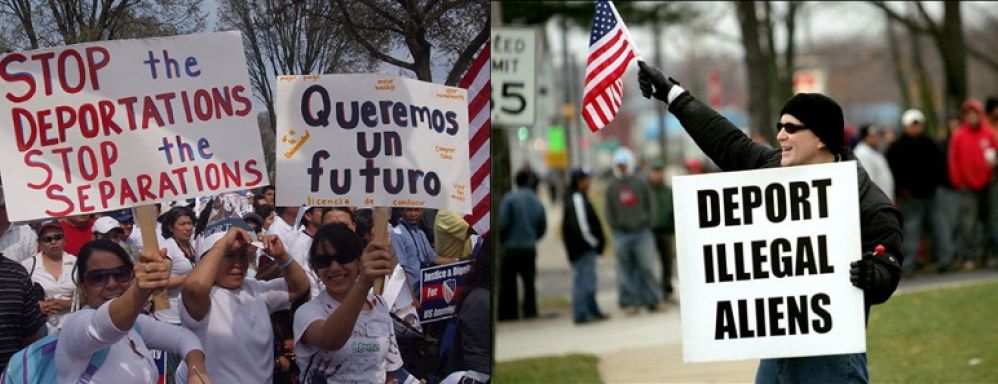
[
  {"x": 367, "y": 44},
  {"x": 461, "y": 65},
  {"x": 912, "y": 24},
  {"x": 933, "y": 28},
  {"x": 983, "y": 58},
  {"x": 382, "y": 12}
]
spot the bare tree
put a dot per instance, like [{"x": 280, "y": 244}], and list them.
[
  {"x": 893, "y": 45},
  {"x": 758, "y": 71},
  {"x": 58, "y": 22},
  {"x": 431, "y": 31}
]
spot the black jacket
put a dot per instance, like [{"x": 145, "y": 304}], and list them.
[
  {"x": 731, "y": 150},
  {"x": 571, "y": 233},
  {"x": 918, "y": 166}
]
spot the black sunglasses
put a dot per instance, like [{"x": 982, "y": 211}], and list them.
[
  {"x": 324, "y": 260},
  {"x": 99, "y": 277},
  {"x": 790, "y": 127},
  {"x": 49, "y": 239}
]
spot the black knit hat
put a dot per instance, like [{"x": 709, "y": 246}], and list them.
[{"x": 821, "y": 115}]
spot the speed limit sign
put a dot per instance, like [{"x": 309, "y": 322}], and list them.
[{"x": 514, "y": 86}]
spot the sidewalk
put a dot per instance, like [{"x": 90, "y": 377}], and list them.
[{"x": 644, "y": 348}]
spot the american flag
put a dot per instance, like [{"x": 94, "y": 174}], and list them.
[
  {"x": 610, "y": 52},
  {"x": 477, "y": 82}
]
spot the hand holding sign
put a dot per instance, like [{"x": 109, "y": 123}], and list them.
[
  {"x": 152, "y": 271},
  {"x": 872, "y": 274},
  {"x": 375, "y": 263}
]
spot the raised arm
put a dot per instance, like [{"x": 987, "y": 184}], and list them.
[
  {"x": 333, "y": 333},
  {"x": 151, "y": 272},
  {"x": 721, "y": 140},
  {"x": 196, "y": 291},
  {"x": 294, "y": 275}
]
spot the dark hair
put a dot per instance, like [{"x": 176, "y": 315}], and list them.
[
  {"x": 480, "y": 274},
  {"x": 171, "y": 218},
  {"x": 990, "y": 104},
  {"x": 363, "y": 221},
  {"x": 523, "y": 178},
  {"x": 280, "y": 210},
  {"x": 340, "y": 237},
  {"x": 264, "y": 210},
  {"x": 341, "y": 209},
  {"x": 88, "y": 250}
]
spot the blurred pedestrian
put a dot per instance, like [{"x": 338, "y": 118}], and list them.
[
  {"x": 630, "y": 212},
  {"x": 582, "y": 232},
  {"x": 973, "y": 154},
  {"x": 664, "y": 226},
  {"x": 918, "y": 166},
  {"x": 522, "y": 223},
  {"x": 867, "y": 151}
]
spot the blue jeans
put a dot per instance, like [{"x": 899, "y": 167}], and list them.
[
  {"x": 584, "y": 306},
  {"x": 915, "y": 213},
  {"x": 849, "y": 368},
  {"x": 635, "y": 267}
]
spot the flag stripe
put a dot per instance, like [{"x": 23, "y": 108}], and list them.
[{"x": 477, "y": 81}]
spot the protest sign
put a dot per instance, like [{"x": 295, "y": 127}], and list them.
[
  {"x": 764, "y": 263},
  {"x": 116, "y": 124},
  {"x": 371, "y": 141},
  {"x": 439, "y": 289}
]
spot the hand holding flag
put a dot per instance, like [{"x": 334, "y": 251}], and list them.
[{"x": 611, "y": 50}]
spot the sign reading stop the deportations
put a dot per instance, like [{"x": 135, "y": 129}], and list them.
[
  {"x": 115, "y": 124},
  {"x": 764, "y": 263},
  {"x": 372, "y": 141}
]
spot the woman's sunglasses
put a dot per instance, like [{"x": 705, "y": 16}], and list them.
[
  {"x": 98, "y": 278},
  {"x": 49, "y": 239},
  {"x": 790, "y": 127},
  {"x": 324, "y": 261}
]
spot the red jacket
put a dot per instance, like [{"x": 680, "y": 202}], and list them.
[
  {"x": 968, "y": 166},
  {"x": 77, "y": 236}
]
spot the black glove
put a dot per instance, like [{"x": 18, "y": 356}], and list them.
[
  {"x": 649, "y": 77},
  {"x": 873, "y": 275}
]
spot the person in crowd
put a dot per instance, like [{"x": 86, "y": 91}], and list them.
[
  {"x": 342, "y": 215},
  {"x": 582, "y": 232},
  {"x": 21, "y": 319},
  {"x": 267, "y": 213},
  {"x": 472, "y": 350},
  {"x": 311, "y": 221},
  {"x": 255, "y": 222},
  {"x": 630, "y": 212},
  {"x": 973, "y": 154},
  {"x": 810, "y": 132},
  {"x": 867, "y": 151},
  {"x": 131, "y": 240},
  {"x": 991, "y": 110},
  {"x": 284, "y": 225},
  {"x": 364, "y": 223},
  {"x": 412, "y": 247},
  {"x": 230, "y": 313},
  {"x": 919, "y": 169},
  {"x": 107, "y": 228},
  {"x": 18, "y": 242},
  {"x": 78, "y": 230},
  {"x": 178, "y": 229},
  {"x": 663, "y": 226},
  {"x": 52, "y": 268},
  {"x": 453, "y": 235},
  {"x": 111, "y": 321},
  {"x": 522, "y": 222},
  {"x": 947, "y": 203},
  {"x": 345, "y": 335},
  {"x": 270, "y": 196}
]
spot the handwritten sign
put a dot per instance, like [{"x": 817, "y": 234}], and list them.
[
  {"x": 116, "y": 124},
  {"x": 371, "y": 140}
]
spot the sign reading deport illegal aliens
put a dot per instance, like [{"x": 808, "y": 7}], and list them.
[
  {"x": 372, "y": 141},
  {"x": 99, "y": 126},
  {"x": 764, "y": 263}
]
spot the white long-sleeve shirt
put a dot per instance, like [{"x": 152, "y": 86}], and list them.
[
  {"x": 580, "y": 216},
  {"x": 129, "y": 361}
]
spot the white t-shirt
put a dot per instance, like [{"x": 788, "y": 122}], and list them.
[
  {"x": 368, "y": 354},
  {"x": 18, "y": 242},
  {"x": 299, "y": 252},
  {"x": 237, "y": 335},
  {"x": 181, "y": 266},
  {"x": 129, "y": 361},
  {"x": 55, "y": 288},
  {"x": 286, "y": 232}
]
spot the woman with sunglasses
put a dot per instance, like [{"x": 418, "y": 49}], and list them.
[
  {"x": 52, "y": 269},
  {"x": 345, "y": 334},
  {"x": 229, "y": 312},
  {"x": 111, "y": 322}
]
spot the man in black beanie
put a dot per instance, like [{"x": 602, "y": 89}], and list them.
[{"x": 811, "y": 131}]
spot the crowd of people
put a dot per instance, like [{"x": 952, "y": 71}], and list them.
[{"x": 240, "y": 290}]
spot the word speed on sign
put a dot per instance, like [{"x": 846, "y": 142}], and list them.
[{"x": 514, "y": 85}]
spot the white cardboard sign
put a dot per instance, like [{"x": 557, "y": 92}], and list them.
[
  {"x": 372, "y": 141},
  {"x": 764, "y": 263},
  {"x": 99, "y": 126}
]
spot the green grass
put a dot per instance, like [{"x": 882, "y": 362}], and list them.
[
  {"x": 574, "y": 368},
  {"x": 933, "y": 336}
]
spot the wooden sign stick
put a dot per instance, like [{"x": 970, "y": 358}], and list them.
[
  {"x": 145, "y": 216},
  {"x": 380, "y": 233}
]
